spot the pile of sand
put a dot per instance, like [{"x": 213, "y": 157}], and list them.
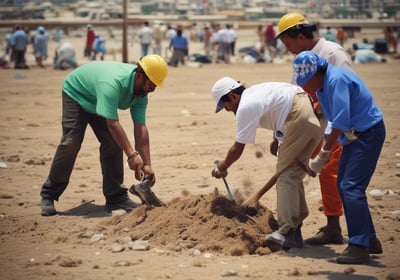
[{"x": 209, "y": 223}]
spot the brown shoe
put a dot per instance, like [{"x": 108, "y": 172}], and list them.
[
  {"x": 324, "y": 236},
  {"x": 354, "y": 255},
  {"x": 375, "y": 246}
]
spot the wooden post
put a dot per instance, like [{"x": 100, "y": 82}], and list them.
[{"x": 125, "y": 33}]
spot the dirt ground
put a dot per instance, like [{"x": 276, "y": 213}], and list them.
[{"x": 198, "y": 235}]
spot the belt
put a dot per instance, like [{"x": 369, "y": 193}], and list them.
[{"x": 367, "y": 130}]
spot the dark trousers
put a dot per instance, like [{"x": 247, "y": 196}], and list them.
[
  {"x": 74, "y": 123},
  {"x": 356, "y": 167},
  {"x": 19, "y": 59}
]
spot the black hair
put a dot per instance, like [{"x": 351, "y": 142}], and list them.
[
  {"x": 307, "y": 30},
  {"x": 238, "y": 91},
  {"x": 322, "y": 69}
]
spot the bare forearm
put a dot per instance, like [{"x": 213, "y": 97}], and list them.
[{"x": 233, "y": 155}]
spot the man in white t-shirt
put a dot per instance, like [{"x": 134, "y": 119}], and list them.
[
  {"x": 145, "y": 35},
  {"x": 285, "y": 109}
]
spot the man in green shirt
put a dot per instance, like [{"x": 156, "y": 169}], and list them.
[{"x": 92, "y": 94}]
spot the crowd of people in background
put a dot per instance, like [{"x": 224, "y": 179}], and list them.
[
  {"x": 19, "y": 39},
  {"x": 172, "y": 42}
]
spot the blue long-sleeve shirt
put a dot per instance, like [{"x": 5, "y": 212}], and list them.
[
  {"x": 179, "y": 42},
  {"x": 347, "y": 102}
]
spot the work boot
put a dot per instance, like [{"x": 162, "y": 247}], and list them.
[
  {"x": 329, "y": 234},
  {"x": 325, "y": 236},
  {"x": 375, "y": 246},
  {"x": 354, "y": 255},
  {"x": 127, "y": 205},
  {"x": 47, "y": 206},
  {"x": 293, "y": 239}
]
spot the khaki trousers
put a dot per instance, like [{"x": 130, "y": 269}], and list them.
[{"x": 302, "y": 136}]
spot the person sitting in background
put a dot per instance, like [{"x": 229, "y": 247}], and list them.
[{"x": 65, "y": 57}]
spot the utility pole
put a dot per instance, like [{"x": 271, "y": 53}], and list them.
[{"x": 125, "y": 33}]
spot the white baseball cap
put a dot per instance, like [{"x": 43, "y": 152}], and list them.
[{"x": 222, "y": 87}]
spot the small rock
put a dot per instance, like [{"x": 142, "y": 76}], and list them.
[
  {"x": 295, "y": 272},
  {"x": 349, "y": 270},
  {"x": 34, "y": 161},
  {"x": 228, "y": 273},
  {"x": 377, "y": 194},
  {"x": 6, "y": 196},
  {"x": 123, "y": 263},
  {"x": 196, "y": 252},
  {"x": 13, "y": 158},
  {"x": 116, "y": 248},
  {"x": 139, "y": 245},
  {"x": 97, "y": 237}
]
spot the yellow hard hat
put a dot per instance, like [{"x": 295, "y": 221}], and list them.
[
  {"x": 155, "y": 68},
  {"x": 290, "y": 20}
]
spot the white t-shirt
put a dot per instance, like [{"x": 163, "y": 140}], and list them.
[
  {"x": 264, "y": 105},
  {"x": 334, "y": 53},
  {"x": 145, "y": 35}
]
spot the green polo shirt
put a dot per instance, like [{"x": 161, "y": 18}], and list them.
[{"x": 103, "y": 87}]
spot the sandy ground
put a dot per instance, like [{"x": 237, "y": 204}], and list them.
[{"x": 194, "y": 236}]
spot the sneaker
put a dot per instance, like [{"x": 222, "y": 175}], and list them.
[
  {"x": 325, "y": 236},
  {"x": 47, "y": 206},
  {"x": 275, "y": 237},
  {"x": 354, "y": 255},
  {"x": 127, "y": 205},
  {"x": 375, "y": 246},
  {"x": 146, "y": 195},
  {"x": 293, "y": 239}
]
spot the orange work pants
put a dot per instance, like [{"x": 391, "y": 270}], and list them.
[{"x": 327, "y": 178}]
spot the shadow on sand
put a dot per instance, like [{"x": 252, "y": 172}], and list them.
[
  {"x": 323, "y": 252},
  {"x": 86, "y": 210}
]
